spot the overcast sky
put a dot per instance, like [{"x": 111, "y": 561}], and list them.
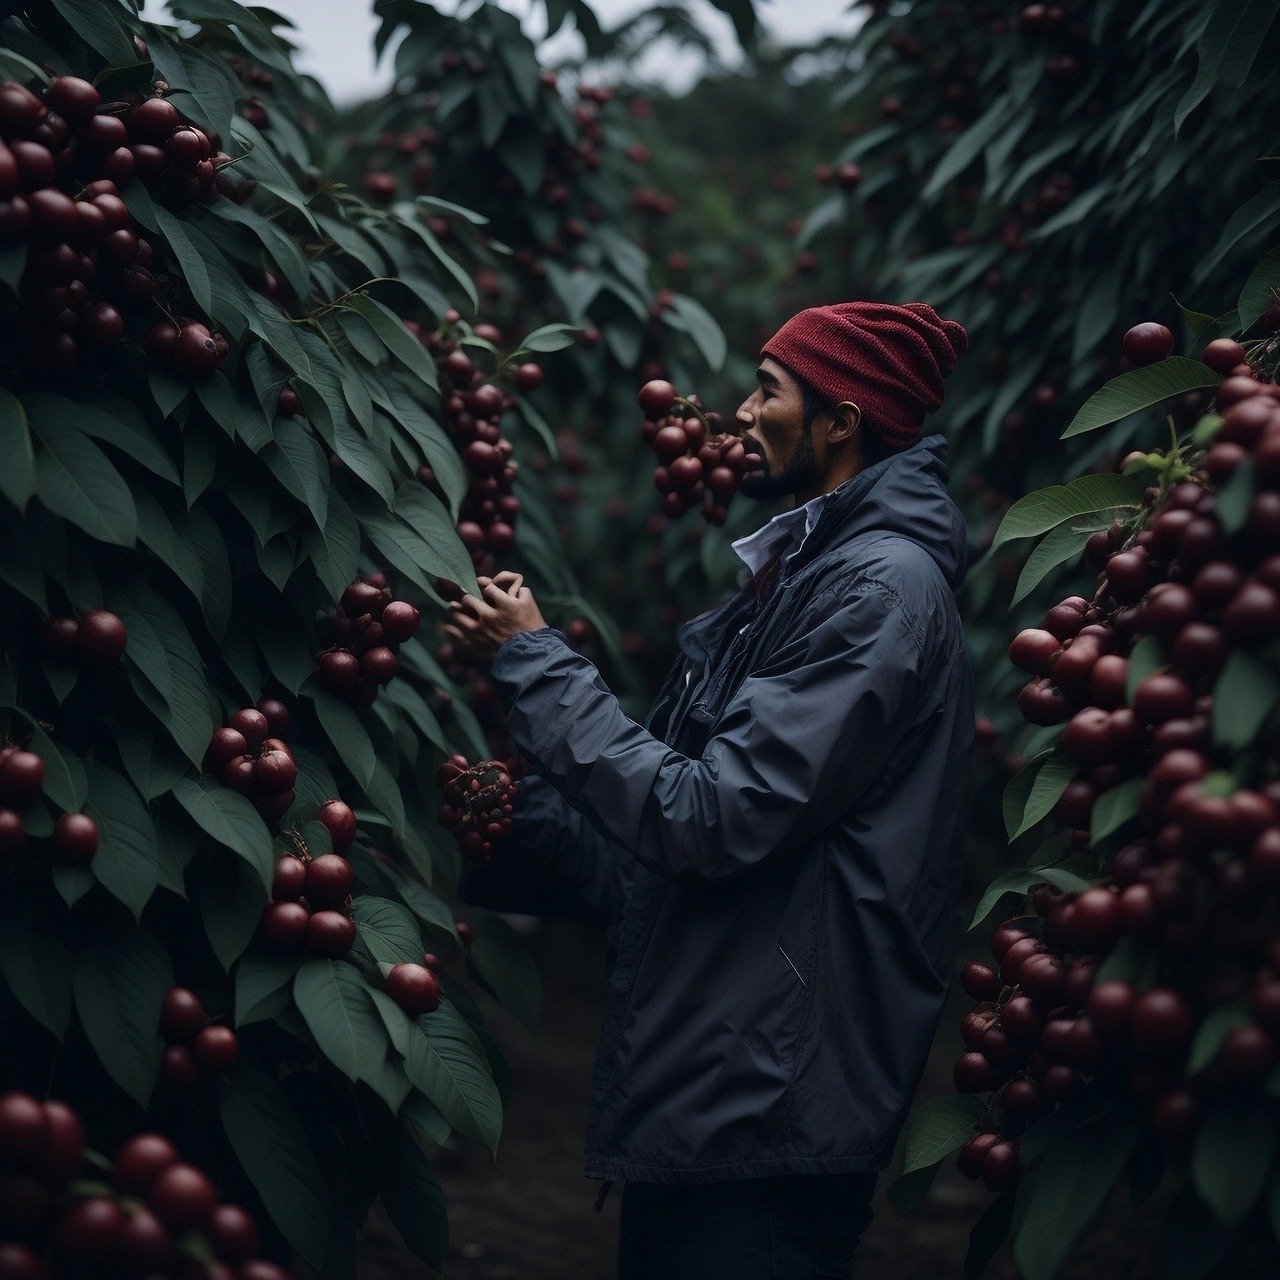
[{"x": 336, "y": 36}]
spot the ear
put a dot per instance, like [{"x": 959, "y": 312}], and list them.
[{"x": 844, "y": 423}]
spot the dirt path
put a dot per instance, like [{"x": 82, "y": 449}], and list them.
[{"x": 529, "y": 1215}]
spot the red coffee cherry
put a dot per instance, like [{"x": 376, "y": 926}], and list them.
[
  {"x": 182, "y": 1014},
  {"x": 414, "y": 988},
  {"x": 75, "y": 839},
  {"x": 183, "y": 1197},
  {"x": 24, "y": 1130},
  {"x": 141, "y": 1160},
  {"x": 340, "y": 819},
  {"x": 329, "y": 880}
]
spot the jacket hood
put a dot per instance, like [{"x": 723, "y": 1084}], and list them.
[{"x": 905, "y": 494}]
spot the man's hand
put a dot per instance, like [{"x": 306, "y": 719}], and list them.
[{"x": 479, "y": 627}]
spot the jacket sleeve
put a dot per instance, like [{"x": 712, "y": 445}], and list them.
[
  {"x": 552, "y": 863},
  {"x": 799, "y": 742}
]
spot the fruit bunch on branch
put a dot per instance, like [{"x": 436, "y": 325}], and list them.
[
  {"x": 1129, "y": 1017},
  {"x": 478, "y": 803}
]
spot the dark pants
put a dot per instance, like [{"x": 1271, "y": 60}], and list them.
[{"x": 791, "y": 1227}]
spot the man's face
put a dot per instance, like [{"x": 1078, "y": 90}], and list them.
[{"x": 771, "y": 423}]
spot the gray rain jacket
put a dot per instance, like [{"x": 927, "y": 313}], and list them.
[{"x": 778, "y": 849}]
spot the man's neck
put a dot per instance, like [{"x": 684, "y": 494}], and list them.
[{"x": 828, "y": 484}]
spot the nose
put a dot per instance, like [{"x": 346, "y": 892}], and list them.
[{"x": 744, "y": 417}]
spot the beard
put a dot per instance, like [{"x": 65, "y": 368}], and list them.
[{"x": 799, "y": 472}]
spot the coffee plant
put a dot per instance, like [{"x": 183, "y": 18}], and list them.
[
  {"x": 240, "y": 449},
  {"x": 1127, "y": 1022}
]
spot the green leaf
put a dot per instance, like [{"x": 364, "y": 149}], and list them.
[
  {"x": 1260, "y": 290},
  {"x": 389, "y": 930},
  {"x": 189, "y": 257},
  {"x": 1057, "y": 547},
  {"x": 1215, "y": 1028},
  {"x": 705, "y": 332},
  {"x": 1145, "y": 659},
  {"x": 425, "y": 1116},
  {"x": 1050, "y": 781},
  {"x": 1063, "y": 879},
  {"x": 231, "y": 903},
  {"x": 1233, "y": 499},
  {"x": 1114, "y": 808},
  {"x": 1234, "y": 1147},
  {"x": 74, "y": 478},
  {"x": 340, "y": 1012},
  {"x": 412, "y": 1197},
  {"x": 502, "y": 964},
  {"x": 272, "y": 1147},
  {"x": 1139, "y": 389},
  {"x": 347, "y": 733},
  {"x": 118, "y": 422},
  {"x": 968, "y": 146},
  {"x": 264, "y": 986},
  {"x": 398, "y": 340},
  {"x": 231, "y": 820},
  {"x": 298, "y": 462},
  {"x": 1257, "y": 212},
  {"x": 119, "y": 980},
  {"x": 1243, "y": 696},
  {"x": 447, "y": 1062},
  {"x": 17, "y": 458},
  {"x": 1230, "y": 42},
  {"x": 283, "y": 251},
  {"x": 127, "y": 863},
  {"x": 551, "y": 337},
  {"x": 102, "y": 26},
  {"x": 988, "y": 1235},
  {"x": 938, "y": 1127},
  {"x": 1045, "y": 509},
  {"x": 1017, "y": 880},
  {"x": 37, "y": 968},
  {"x": 1061, "y": 1195}
]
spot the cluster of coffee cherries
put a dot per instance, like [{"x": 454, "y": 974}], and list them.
[
  {"x": 64, "y": 159},
  {"x": 151, "y": 1215},
  {"x": 96, "y": 638},
  {"x": 698, "y": 464},
  {"x": 186, "y": 347},
  {"x": 310, "y": 905},
  {"x": 75, "y": 835},
  {"x": 1195, "y": 885},
  {"x": 478, "y": 803},
  {"x": 473, "y": 409},
  {"x": 367, "y": 628},
  {"x": 251, "y": 757},
  {"x": 196, "y": 1047}
]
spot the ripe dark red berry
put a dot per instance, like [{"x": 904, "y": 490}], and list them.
[
  {"x": 183, "y": 1197},
  {"x": 340, "y": 819},
  {"x": 414, "y": 988},
  {"x": 182, "y": 1014},
  {"x": 329, "y": 880},
  {"x": 656, "y": 398},
  {"x": 141, "y": 1160},
  {"x": 1147, "y": 343},
  {"x": 233, "y": 1234},
  {"x": 252, "y": 724},
  {"x": 75, "y": 839},
  {"x": 102, "y": 637},
  {"x": 89, "y": 1231},
  {"x": 24, "y": 1130},
  {"x": 216, "y": 1048},
  {"x": 330, "y": 933},
  {"x": 283, "y": 926}
]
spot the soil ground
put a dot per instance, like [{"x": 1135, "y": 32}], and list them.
[{"x": 528, "y": 1216}]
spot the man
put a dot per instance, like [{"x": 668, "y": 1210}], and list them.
[{"x": 779, "y": 847}]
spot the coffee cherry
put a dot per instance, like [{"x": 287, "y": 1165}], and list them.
[
  {"x": 89, "y": 1231},
  {"x": 24, "y": 1131},
  {"x": 140, "y": 1161},
  {"x": 17, "y": 1262},
  {"x": 252, "y": 724},
  {"x": 400, "y": 620},
  {"x": 656, "y": 398},
  {"x": 329, "y": 880},
  {"x": 414, "y": 988},
  {"x": 145, "y": 1242},
  {"x": 275, "y": 772},
  {"x": 1222, "y": 355},
  {"x": 154, "y": 121},
  {"x": 183, "y": 1198},
  {"x": 340, "y": 819},
  {"x": 288, "y": 879},
  {"x": 75, "y": 839},
  {"x": 233, "y": 1234},
  {"x": 182, "y": 1014},
  {"x": 973, "y": 1153},
  {"x": 379, "y": 665},
  {"x": 283, "y": 926},
  {"x": 974, "y": 1074},
  {"x": 276, "y": 713},
  {"x": 216, "y": 1049},
  {"x": 1147, "y": 343},
  {"x": 669, "y": 444},
  {"x": 339, "y": 670},
  {"x": 60, "y": 638},
  {"x": 194, "y": 354},
  {"x": 981, "y": 982},
  {"x": 1000, "y": 1167},
  {"x": 1162, "y": 1022},
  {"x": 330, "y": 933},
  {"x": 528, "y": 377},
  {"x": 64, "y": 1154}
]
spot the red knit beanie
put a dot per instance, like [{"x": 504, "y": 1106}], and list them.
[{"x": 888, "y": 360}]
